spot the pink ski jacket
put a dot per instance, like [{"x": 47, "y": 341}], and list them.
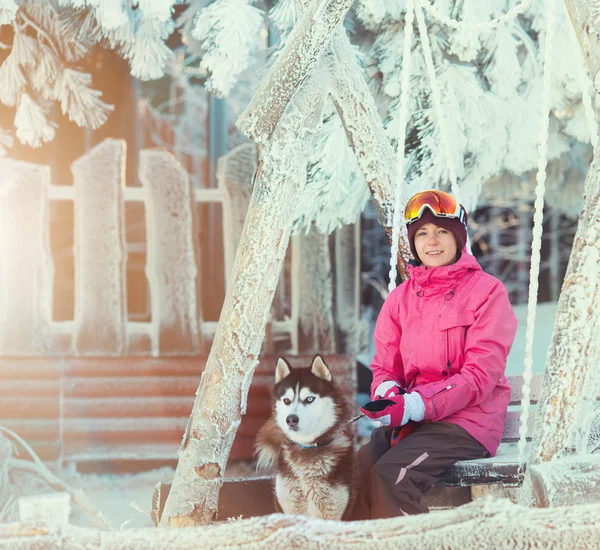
[{"x": 445, "y": 333}]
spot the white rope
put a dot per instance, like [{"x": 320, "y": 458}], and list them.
[
  {"x": 477, "y": 27},
  {"x": 437, "y": 100},
  {"x": 403, "y": 115},
  {"x": 536, "y": 243}
]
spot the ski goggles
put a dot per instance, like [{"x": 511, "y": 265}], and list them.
[{"x": 440, "y": 203}]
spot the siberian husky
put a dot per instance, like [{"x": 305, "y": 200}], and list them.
[{"x": 305, "y": 443}]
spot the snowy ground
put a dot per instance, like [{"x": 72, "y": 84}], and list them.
[{"x": 125, "y": 499}]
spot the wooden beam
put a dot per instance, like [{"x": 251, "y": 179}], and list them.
[
  {"x": 222, "y": 395},
  {"x": 569, "y": 385}
]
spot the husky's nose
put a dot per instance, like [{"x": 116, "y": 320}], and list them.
[{"x": 292, "y": 420}]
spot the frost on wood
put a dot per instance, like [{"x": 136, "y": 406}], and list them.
[
  {"x": 217, "y": 410},
  {"x": 353, "y": 333},
  {"x": 316, "y": 299},
  {"x": 234, "y": 174},
  {"x": 586, "y": 23},
  {"x": 26, "y": 269},
  {"x": 480, "y": 525},
  {"x": 172, "y": 262},
  {"x": 567, "y": 481},
  {"x": 304, "y": 47},
  {"x": 572, "y": 379},
  {"x": 100, "y": 308}
]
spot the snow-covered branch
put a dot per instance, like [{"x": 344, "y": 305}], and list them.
[{"x": 303, "y": 48}]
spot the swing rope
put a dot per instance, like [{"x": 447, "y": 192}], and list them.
[
  {"x": 397, "y": 225},
  {"x": 536, "y": 244}
]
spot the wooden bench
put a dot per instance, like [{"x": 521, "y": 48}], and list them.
[{"x": 502, "y": 468}]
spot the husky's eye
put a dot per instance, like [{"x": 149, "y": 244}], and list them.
[
  {"x": 309, "y": 399},
  {"x": 286, "y": 401}
]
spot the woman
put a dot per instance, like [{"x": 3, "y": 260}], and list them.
[{"x": 441, "y": 342}]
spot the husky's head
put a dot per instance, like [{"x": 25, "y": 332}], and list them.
[{"x": 306, "y": 401}]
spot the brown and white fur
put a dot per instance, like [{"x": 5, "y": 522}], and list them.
[{"x": 305, "y": 444}]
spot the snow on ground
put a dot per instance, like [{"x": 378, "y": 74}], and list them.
[{"x": 125, "y": 500}]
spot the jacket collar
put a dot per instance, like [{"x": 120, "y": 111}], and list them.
[{"x": 445, "y": 276}]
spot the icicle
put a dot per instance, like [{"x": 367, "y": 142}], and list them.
[
  {"x": 536, "y": 244},
  {"x": 398, "y": 201}
]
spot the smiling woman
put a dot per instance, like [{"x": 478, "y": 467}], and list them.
[{"x": 441, "y": 340}]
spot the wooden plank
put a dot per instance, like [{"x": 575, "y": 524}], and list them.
[
  {"x": 96, "y": 451},
  {"x": 147, "y": 386},
  {"x": 136, "y": 366},
  {"x": 141, "y": 406},
  {"x": 25, "y": 259},
  {"x": 146, "y": 427},
  {"x": 100, "y": 257},
  {"x": 33, "y": 428},
  {"x": 27, "y": 368},
  {"x": 516, "y": 386},
  {"x": 485, "y": 471},
  {"x": 37, "y": 388},
  {"x": 29, "y": 407},
  {"x": 172, "y": 254},
  {"x": 512, "y": 423}
]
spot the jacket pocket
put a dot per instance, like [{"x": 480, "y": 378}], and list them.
[{"x": 455, "y": 325}]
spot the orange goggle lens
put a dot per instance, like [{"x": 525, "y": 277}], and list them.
[{"x": 439, "y": 202}]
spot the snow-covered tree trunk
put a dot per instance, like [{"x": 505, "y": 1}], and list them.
[
  {"x": 221, "y": 396},
  {"x": 571, "y": 380},
  {"x": 585, "y": 16}
]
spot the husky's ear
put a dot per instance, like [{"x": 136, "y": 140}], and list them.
[
  {"x": 282, "y": 370},
  {"x": 320, "y": 369}
]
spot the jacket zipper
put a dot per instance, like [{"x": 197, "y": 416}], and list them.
[{"x": 444, "y": 389}]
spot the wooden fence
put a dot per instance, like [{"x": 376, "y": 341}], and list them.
[{"x": 102, "y": 387}]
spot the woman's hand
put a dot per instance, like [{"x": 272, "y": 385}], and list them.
[
  {"x": 387, "y": 389},
  {"x": 396, "y": 410}
]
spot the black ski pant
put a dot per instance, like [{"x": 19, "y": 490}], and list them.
[{"x": 392, "y": 480}]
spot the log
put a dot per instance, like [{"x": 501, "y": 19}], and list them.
[
  {"x": 567, "y": 481},
  {"x": 571, "y": 379},
  {"x": 483, "y": 524},
  {"x": 222, "y": 394}
]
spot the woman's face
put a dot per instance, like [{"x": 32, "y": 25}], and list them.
[{"x": 435, "y": 245}]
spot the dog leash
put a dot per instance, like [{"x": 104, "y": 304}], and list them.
[{"x": 357, "y": 417}]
